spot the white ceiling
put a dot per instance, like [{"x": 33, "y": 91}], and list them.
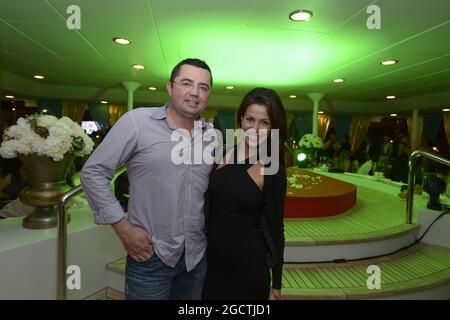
[{"x": 247, "y": 43}]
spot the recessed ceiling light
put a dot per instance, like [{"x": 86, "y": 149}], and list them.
[
  {"x": 152, "y": 88},
  {"x": 321, "y": 112},
  {"x": 389, "y": 62},
  {"x": 394, "y": 114},
  {"x": 9, "y": 97},
  {"x": 38, "y": 76},
  {"x": 104, "y": 102},
  {"x": 390, "y": 97},
  {"x": 138, "y": 66},
  {"x": 445, "y": 110},
  {"x": 229, "y": 87},
  {"x": 300, "y": 15},
  {"x": 339, "y": 80},
  {"x": 292, "y": 96},
  {"x": 121, "y": 41}
]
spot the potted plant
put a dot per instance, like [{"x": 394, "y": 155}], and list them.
[{"x": 46, "y": 146}]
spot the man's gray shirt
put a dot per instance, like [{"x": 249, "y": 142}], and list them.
[{"x": 166, "y": 199}]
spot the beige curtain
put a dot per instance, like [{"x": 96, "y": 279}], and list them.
[
  {"x": 447, "y": 127},
  {"x": 418, "y": 133},
  {"x": 289, "y": 118},
  {"x": 73, "y": 110},
  {"x": 358, "y": 131},
  {"x": 115, "y": 112},
  {"x": 323, "y": 124},
  {"x": 209, "y": 115}
]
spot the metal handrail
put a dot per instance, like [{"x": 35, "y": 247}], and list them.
[
  {"x": 411, "y": 177},
  {"x": 62, "y": 233}
]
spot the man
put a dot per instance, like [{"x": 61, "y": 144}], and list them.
[{"x": 165, "y": 209}]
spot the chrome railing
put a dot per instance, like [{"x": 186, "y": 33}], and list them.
[
  {"x": 411, "y": 177},
  {"x": 62, "y": 233}
]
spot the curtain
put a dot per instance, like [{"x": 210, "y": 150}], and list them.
[
  {"x": 431, "y": 126},
  {"x": 100, "y": 114},
  {"x": 302, "y": 122},
  {"x": 418, "y": 132},
  {"x": 342, "y": 124},
  {"x": 358, "y": 131},
  {"x": 323, "y": 124},
  {"x": 52, "y": 107},
  {"x": 115, "y": 112},
  {"x": 447, "y": 127},
  {"x": 209, "y": 115},
  {"x": 225, "y": 120},
  {"x": 73, "y": 110}
]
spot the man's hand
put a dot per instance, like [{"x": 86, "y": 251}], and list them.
[{"x": 136, "y": 241}]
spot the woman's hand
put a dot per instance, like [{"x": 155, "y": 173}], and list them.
[{"x": 275, "y": 294}]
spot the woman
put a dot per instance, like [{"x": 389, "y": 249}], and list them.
[{"x": 244, "y": 208}]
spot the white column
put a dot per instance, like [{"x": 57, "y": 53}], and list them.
[
  {"x": 414, "y": 137},
  {"x": 315, "y": 97},
  {"x": 131, "y": 87}
]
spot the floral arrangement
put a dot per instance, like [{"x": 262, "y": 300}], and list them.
[
  {"x": 310, "y": 140},
  {"x": 45, "y": 135}
]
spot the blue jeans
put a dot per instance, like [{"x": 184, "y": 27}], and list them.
[{"x": 154, "y": 280}]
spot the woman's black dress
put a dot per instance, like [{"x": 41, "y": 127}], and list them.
[{"x": 236, "y": 248}]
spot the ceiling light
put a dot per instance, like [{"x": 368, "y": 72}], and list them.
[
  {"x": 435, "y": 148},
  {"x": 300, "y": 15},
  {"x": 394, "y": 114},
  {"x": 445, "y": 110},
  {"x": 121, "y": 41},
  {"x": 229, "y": 87},
  {"x": 152, "y": 88},
  {"x": 389, "y": 62},
  {"x": 292, "y": 96},
  {"x": 44, "y": 110},
  {"x": 390, "y": 97},
  {"x": 339, "y": 80},
  {"x": 104, "y": 102},
  {"x": 9, "y": 97},
  {"x": 13, "y": 109},
  {"x": 321, "y": 112},
  {"x": 37, "y": 76},
  {"x": 138, "y": 66}
]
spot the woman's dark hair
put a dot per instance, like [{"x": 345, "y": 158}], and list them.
[{"x": 277, "y": 115}]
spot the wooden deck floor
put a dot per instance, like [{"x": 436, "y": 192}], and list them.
[
  {"x": 423, "y": 266},
  {"x": 375, "y": 214}
]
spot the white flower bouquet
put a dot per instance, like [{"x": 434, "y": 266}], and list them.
[
  {"x": 310, "y": 140},
  {"x": 45, "y": 135}
]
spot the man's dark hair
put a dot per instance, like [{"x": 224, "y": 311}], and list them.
[{"x": 192, "y": 62}]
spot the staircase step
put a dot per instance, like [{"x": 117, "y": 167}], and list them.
[{"x": 421, "y": 272}]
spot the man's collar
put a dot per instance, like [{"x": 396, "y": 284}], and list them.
[{"x": 161, "y": 113}]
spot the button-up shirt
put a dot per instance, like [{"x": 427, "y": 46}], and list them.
[{"x": 166, "y": 198}]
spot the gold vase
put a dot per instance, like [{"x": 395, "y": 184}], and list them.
[{"x": 47, "y": 183}]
